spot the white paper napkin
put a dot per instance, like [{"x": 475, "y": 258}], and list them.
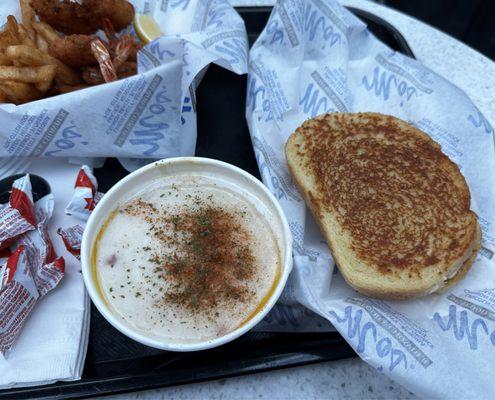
[{"x": 53, "y": 342}]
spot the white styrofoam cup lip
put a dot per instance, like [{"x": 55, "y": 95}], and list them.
[{"x": 149, "y": 173}]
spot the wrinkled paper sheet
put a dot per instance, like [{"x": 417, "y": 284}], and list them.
[
  {"x": 148, "y": 116},
  {"x": 315, "y": 57}
]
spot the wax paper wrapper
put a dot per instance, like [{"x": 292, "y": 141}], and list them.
[
  {"x": 148, "y": 116},
  {"x": 315, "y": 57}
]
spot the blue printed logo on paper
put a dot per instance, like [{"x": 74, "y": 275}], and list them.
[
  {"x": 313, "y": 101},
  {"x": 383, "y": 84},
  {"x": 479, "y": 121},
  {"x": 366, "y": 332},
  {"x": 317, "y": 24},
  {"x": 274, "y": 172},
  {"x": 465, "y": 327},
  {"x": 144, "y": 127},
  {"x": 150, "y": 128},
  {"x": 253, "y": 93},
  {"x": 396, "y": 75},
  {"x": 187, "y": 107},
  {"x": 215, "y": 15},
  {"x": 157, "y": 50},
  {"x": 234, "y": 50},
  {"x": 381, "y": 325},
  {"x": 69, "y": 138},
  {"x": 180, "y": 4},
  {"x": 275, "y": 32},
  {"x": 274, "y": 184}
]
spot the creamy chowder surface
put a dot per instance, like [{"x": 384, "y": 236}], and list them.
[{"x": 187, "y": 259}]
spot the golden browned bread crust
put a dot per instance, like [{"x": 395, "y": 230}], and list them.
[
  {"x": 461, "y": 273},
  {"x": 394, "y": 209}
]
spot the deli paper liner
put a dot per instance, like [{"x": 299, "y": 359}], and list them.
[
  {"x": 148, "y": 116},
  {"x": 315, "y": 57}
]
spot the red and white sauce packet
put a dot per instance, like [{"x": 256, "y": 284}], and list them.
[
  {"x": 85, "y": 196},
  {"x": 17, "y": 216},
  {"x": 29, "y": 267},
  {"x": 83, "y": 202},
  {"x": 72, "y": 237},
  {"x": 17, "y": 298}
]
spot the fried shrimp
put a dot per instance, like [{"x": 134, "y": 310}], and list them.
[
  {"x": 85, "y": 16},
  {"x": 123, "y": 50},
  {"x": 93, "y": 76},
  {"x": 67, "y": 16},
  {"x": 131, "y": 47},
  {"x": 129, "y": 68},
  {"x": 56, "y": 48},
  {"x": 86, "y": 51},
  {"x": 120, "y": 12},
  {"x": 74, "y": 50},
  {"x": 102, "y": 55},
  {"x": 109, "y": 30},
  {"x": 118, "y": 65}
]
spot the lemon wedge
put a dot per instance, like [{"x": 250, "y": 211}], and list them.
[{"x": 146, "y": 28}]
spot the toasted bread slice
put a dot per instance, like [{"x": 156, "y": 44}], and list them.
[
  {"x": 394, "y": 209},
  {"x": 461, "y": 273}
]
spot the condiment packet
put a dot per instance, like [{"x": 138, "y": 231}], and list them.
[
  {"x": 83, "y": 202},
  {"x": 17, "y": 216},
  {"x": 17, "y": 298},
  {"x": 85, "y": 196},
  {"x": 47, "y": 269},
  {"x": 37, "y": 242},
  {"x": 72, "y": 236},
  {"x": 49, "y": 275},
  {"x": 32, "y": 269},
  {"x": 4, "y": 272}
]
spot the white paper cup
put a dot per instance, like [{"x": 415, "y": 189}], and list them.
[{"x": 184, "y": 166}]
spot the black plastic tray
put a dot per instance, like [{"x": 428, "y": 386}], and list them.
[{"x": 115, "y": 363}]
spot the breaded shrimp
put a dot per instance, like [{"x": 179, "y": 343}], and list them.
[
  {"x": 121, "y": 66},
  {"x": 93, "y": 76},
  {"x": 67, "y": 16},
  {"x": 120, "y": 12},
  {"x": 129, "y": 68},
  {"x": 132, "y": 47},
  {"x": 74, "y": 50},
  {"x": 101, "y": 54},
  {"x": 85, "y": 16}
]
